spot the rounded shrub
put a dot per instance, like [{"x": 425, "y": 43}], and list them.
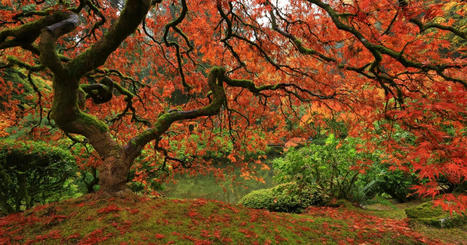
[
  {"x": 287, "y": 197},
  {"x": 32, "y": 172}
]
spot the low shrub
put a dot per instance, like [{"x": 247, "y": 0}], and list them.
[
  {"x": 287, "y": 197},
  {"x": 32, "y": 172}
]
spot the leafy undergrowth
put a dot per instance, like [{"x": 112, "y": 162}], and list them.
[{"x": 88, "y": 220}]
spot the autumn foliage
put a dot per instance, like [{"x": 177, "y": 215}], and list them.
[{"x": 246, "y": 72}]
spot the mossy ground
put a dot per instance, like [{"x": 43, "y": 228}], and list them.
[
  {"x": 89, "y": 220},
  {"x": 457, "y": 235},
  {"x": 435, "y": 216}
]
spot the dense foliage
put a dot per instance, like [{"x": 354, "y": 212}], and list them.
[
  {"x": 146, "y": 75},
  {"x": 32, "y": 172},
  {"x": 396, "y": 183}
]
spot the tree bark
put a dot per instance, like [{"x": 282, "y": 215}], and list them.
[{"x": 113, "y": 174}]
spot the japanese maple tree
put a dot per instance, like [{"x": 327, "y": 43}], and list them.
[{"x": 244, "y": 66}]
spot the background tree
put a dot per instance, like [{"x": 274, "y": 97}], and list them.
[{"x": 363, "y": 62}]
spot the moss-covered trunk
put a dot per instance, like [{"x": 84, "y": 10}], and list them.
[{"x": 72, "y": 119}]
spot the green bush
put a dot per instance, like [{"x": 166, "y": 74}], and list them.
[
  {"x": 396, "y": 183},
  {"x": 435, "y": 216},
  {"x": 288, "y": 197},
  {"x": 32, "y": 172},
  {"x": 328, "y": 167}
]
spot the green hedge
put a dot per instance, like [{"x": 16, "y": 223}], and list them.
[
  {"x": 288, "y": 197},
  {"x": 31, "y": 172}
]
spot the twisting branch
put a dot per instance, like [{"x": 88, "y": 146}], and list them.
[
  {"x": 426, "y": 26},
  {"x": 26, "y": 34},
  {"x": 65, "y": 112},
  {"x": 14, "y": 61},
  {"x": 388, "y": 29},
  {"x": 129, "y": 107},
  {"x": 101, "y": 92},
  {"x": 21, "y": 15},
  {"x": 286, "y": 69},
  {"x": 173, "y": 25},
  {"x": 164, "y": 54},
  {"x": 248, "y": 84},
  {"x": 81, "y": 5},
  {"x": 164, "y": 151},
  {"x": 75, "y": 141},
  {"x": 297, "y": 42},
  {"x": 378, "y": 49},
  {"x": 215, "y": 82},
  {"x": 98, "y": 24},
  {"x": 92, "y": 58},
  {"x": 228, "y": 33},
  {"x": 49, "y": 35}
]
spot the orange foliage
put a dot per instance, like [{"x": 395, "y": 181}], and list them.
[{"x": 362, "y": 62}]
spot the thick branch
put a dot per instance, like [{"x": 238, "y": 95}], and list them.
[
  {"x": 130, "y": 18},
  {"x": 215, "y": 81},
  {"x": 49, "y": 35},
  {"x": 29, "y": 32},
  {"x": 248, "y": 84},
  {"x": 173, "y": 24}
]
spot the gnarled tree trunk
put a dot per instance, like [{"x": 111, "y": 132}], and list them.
[{"x": 113, "y": 173}]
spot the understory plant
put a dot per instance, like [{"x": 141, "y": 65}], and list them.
[
  {"x": 334, "y": 168},
  {"x": 32, "y": 172}
]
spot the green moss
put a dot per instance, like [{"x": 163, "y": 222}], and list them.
[
  {"x": 198, "y": 221},
  {"x": 424, "y": 210},
  {"x": 435, "y": 216},
  {"x": 88, "y": 119}
]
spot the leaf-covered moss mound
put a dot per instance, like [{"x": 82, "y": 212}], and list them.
[
  {"x": 288, "y": 197},
  {"x": 94, "y": 220},
  {"x": 435, "y": 216}
]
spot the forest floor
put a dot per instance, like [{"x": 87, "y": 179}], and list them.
[
  {"x": 89, "y": 220},
  {"x": 396, "y": 211}
]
